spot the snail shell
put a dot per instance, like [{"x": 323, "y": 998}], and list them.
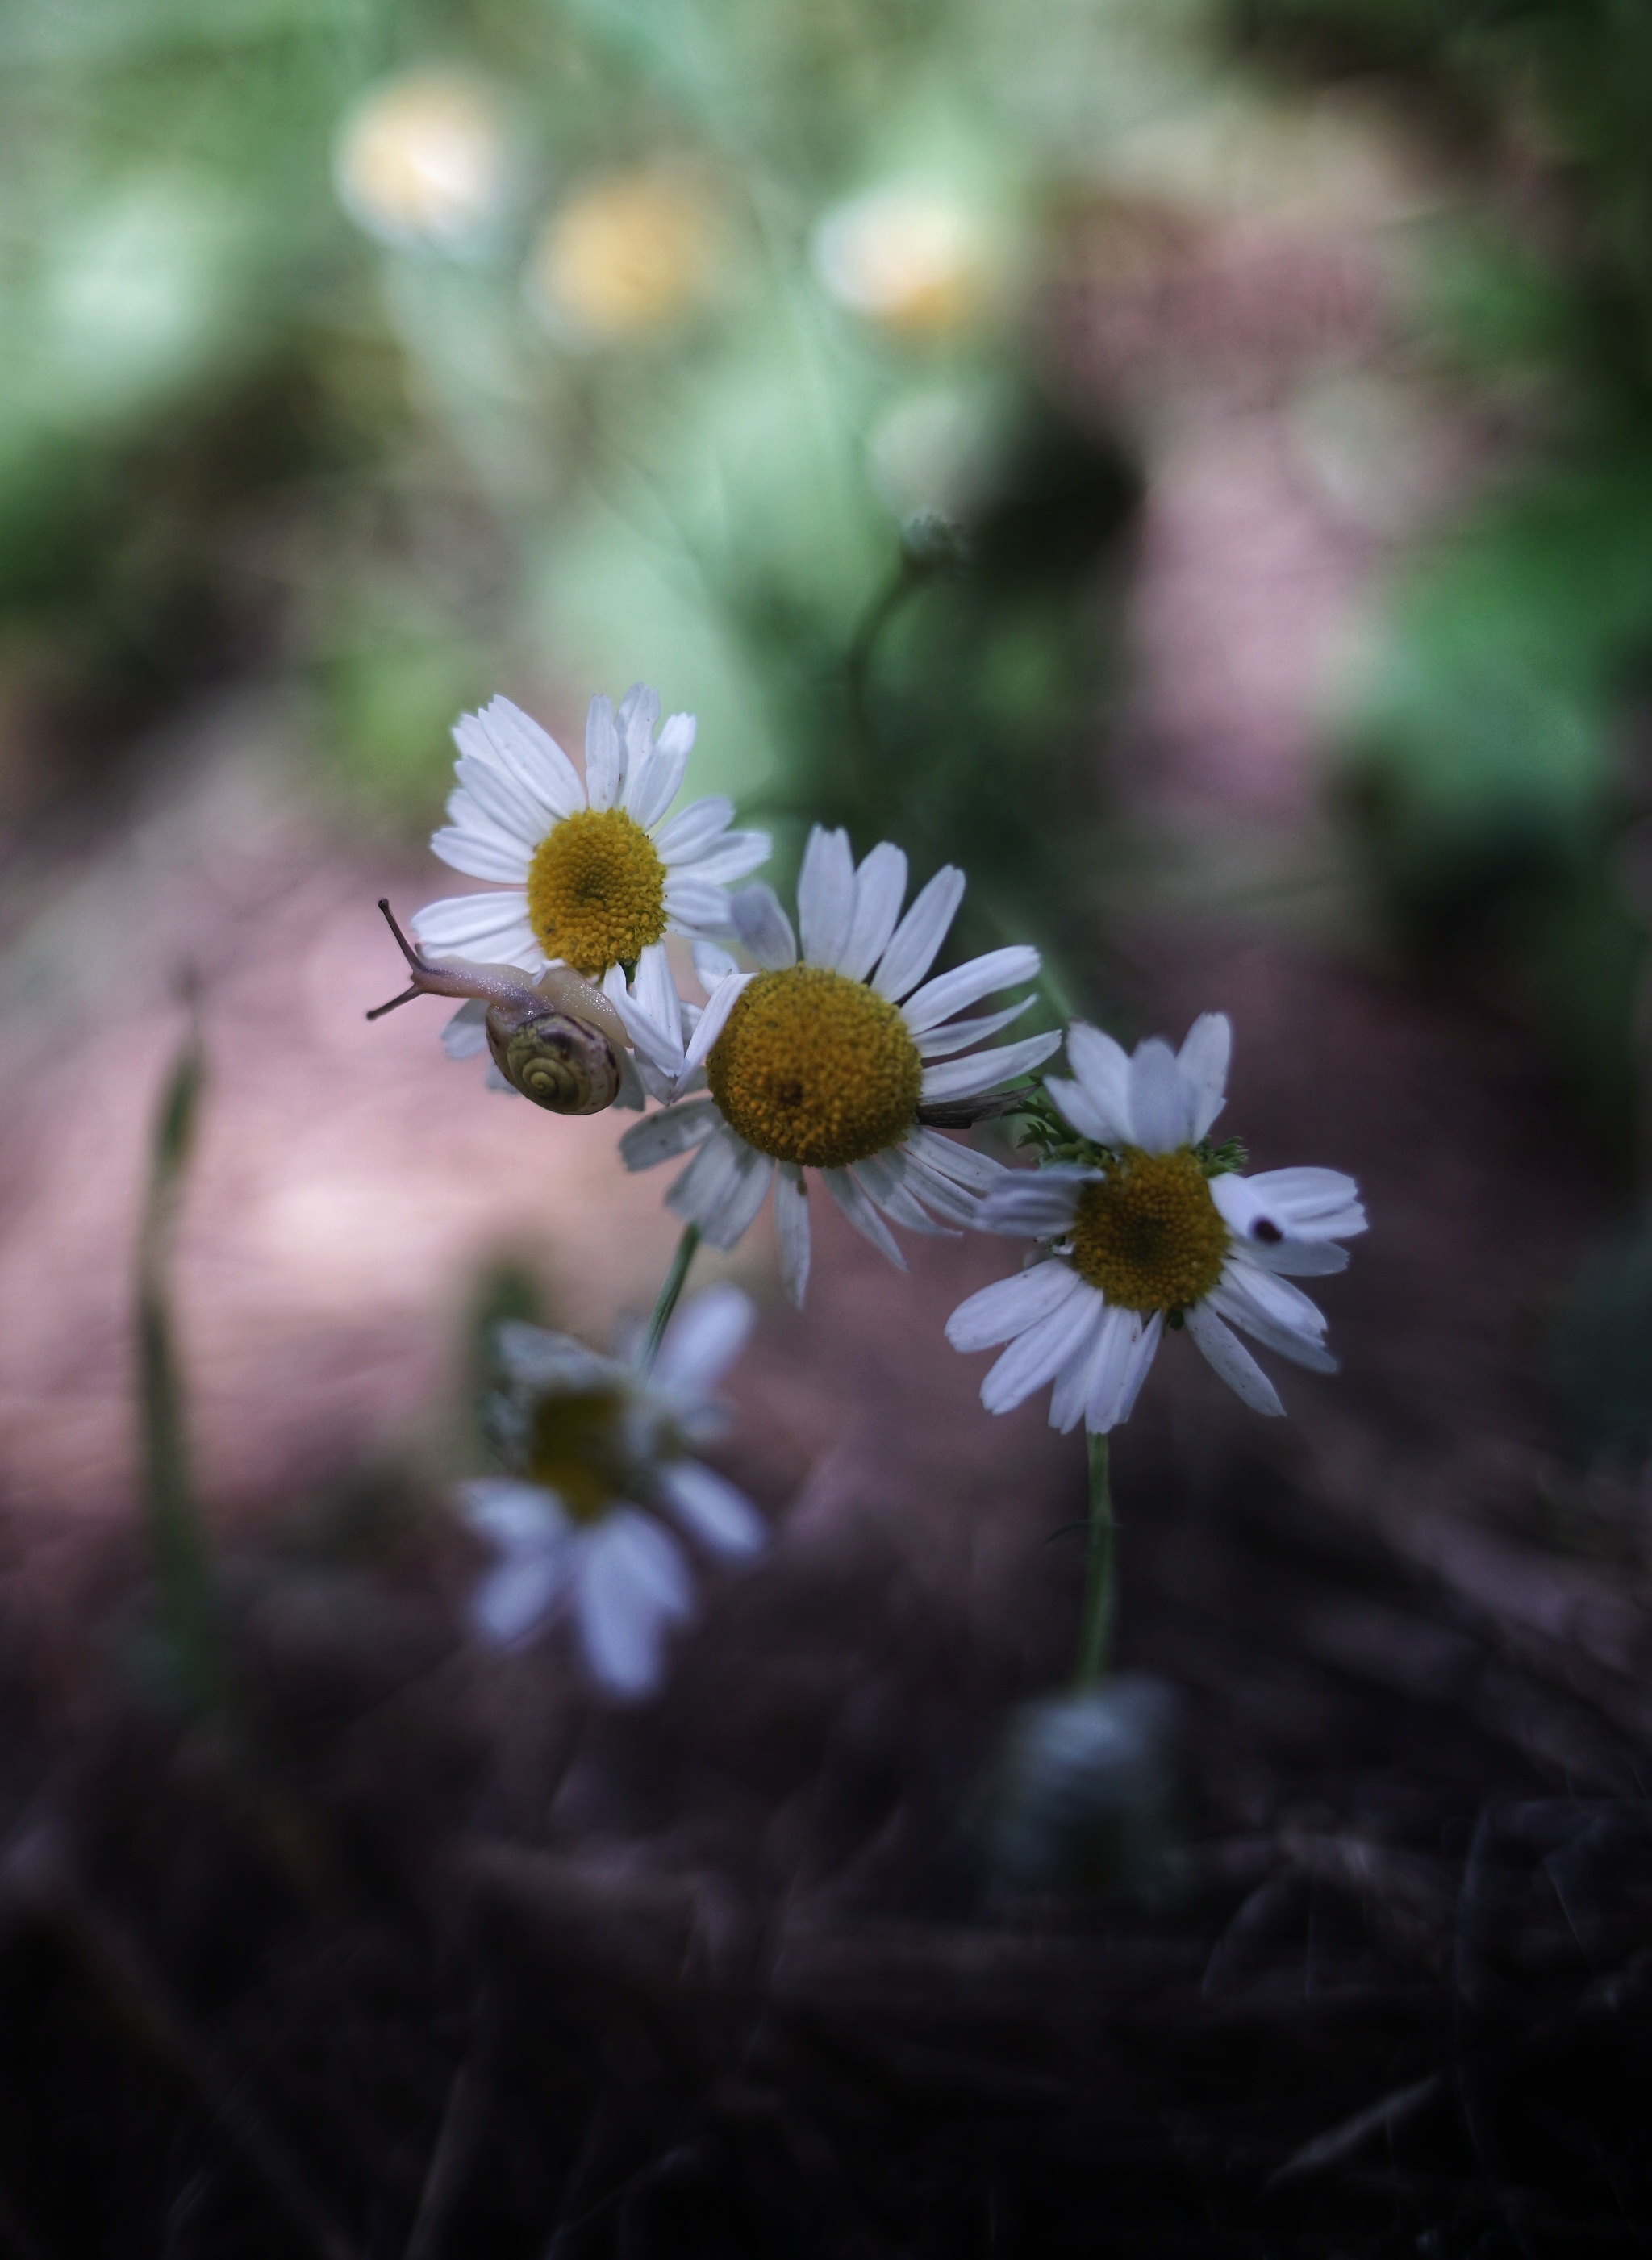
[
  {"x": 559, "y": 1039},
  {"x": 561, "y": 1045},
  {"x": 557, "y": 1062}
]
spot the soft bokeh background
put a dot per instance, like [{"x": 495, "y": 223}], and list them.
[{"x": 1189, "y": 461}]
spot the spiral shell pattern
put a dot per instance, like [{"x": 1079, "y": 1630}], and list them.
[{"x": 560, "y": 1062}]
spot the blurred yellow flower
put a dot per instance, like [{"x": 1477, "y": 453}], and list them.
[
  {"x": 426, "y": 161},
  {"x": 911, "y": 259},
  {"x": 628, "y": 254}
]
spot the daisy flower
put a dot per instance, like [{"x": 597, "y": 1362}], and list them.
[
  {"x": 1152, "y": 1229},
  {"x": 602, "y": 1467},
  {"x": 588, "y": 871},
  {"x": 842, "y": 1063}
]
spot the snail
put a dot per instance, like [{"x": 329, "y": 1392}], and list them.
[{"x": 557, "y": 1039}]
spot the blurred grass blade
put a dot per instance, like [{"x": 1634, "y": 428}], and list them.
[{"x": 177, "y": 1537}]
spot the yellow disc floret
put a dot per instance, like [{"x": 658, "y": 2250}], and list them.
[
  {"x": 1149, "y": 1234},
  {"x": 596, "y": 891},
  {"x": 816, "y": 1069},
  {"x": 576, "y": 1448}
]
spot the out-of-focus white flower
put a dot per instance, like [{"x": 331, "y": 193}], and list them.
[
  {"x": 831, "y": 1064},
  {"x": 426, "y": 161},
  {"x": 604, "y": 1477},
  {"x": 589, "y": 872},
  {"x": 909, "y": 259},
  {"x": 1147, "y": 1236},
  {"x": 933, "y": 452},
  {"x": 628, "y": 256}
]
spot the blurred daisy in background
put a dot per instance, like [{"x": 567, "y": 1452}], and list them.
[
  {"x": 428, "y": 161},
  {"x": 841, "y": 1064},
  {"x": 590, "y": 871},
  {"x": 603, "y": 1478},
  {"x": 1155, "y": 1231},
  {"x": 627, "y": 256},
  {"x": 911, "y": 259}
]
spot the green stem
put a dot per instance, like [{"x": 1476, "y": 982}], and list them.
[
  {"x": 177, "y": 1535},
  {"x": 1096, "y": 1631},
  {"x": 669, "y": 1294}
]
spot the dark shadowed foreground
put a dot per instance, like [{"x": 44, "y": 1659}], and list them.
[{"x": 420, "y": 1951}]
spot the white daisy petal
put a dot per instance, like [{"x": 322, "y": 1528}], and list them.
[
  {"x": 515, "y": 1597},
  {"x": 733, "y": 856},
  {"x": 957, "y": 1035},
  {"x": 712, "y": 1511},
  {"x": 978, "y": 1172},
  {"x": 1300, "y": 1259},
  {"x": 853, "y": 1200},
  {"x": 712, "y": 964},
  {"x": 466, "y": 1035},
  {"x": 487, "y": 929},
  {"x": 1074, "y": 1103},
  {"x": 604, "y": 755},
  {"x": 513, "y": 740},
  {"x": 486, "y": 788},
  {"x": 1037, "y": 1355},
  {"x": 949, "y": 992},
  {"x": 517, "y": 1517},
  {"x": 1161, "y": 1098},
  {"x": 695, "y": 905},
  {"x": 725, "y": 1212},
  {"x": 1141, "y": 1356},
  {"x": 632, "y": 1582},
  {"x": 633, "y": 1093},
  {"x": 541, "y": 1358},
  {"x": 1227, "y": 1355},
  {"x": 884, "y": 1184},
  {"x": 764, "y": 927},
  {"x": 825, "y": 897},
  {"x": 1036, "y": 1203},
  {"x": 792, "y": 1225},
  {"x": 659, "y": 1052},
  {"x": 880, "y": 887},
  {"x": 920, "y": 935},
  {"x": 706, "y": 1336},
  {"x": 1106, "y": 1372},
  {"x": 692, "y": 832},
  {"x": 648, "y": 798},
  {"x": 481, "y": 851},
  {"x": 943, "y": 1196},
  {"x": 1310, "y": 1204},
  {"x": 714, "y": 1019},
  {"x": 673, "y": 1131},
  {"x": 1075, "y": 1377},
  {"x": 637, "y": 719},
  {"x": 1102, "y": 1070},
  {"x": 654, "y": 989},
  {"x": 982, "y": 1071},
  {"x": 997, "y": 1313},
  {"x": 1274, "y": 1298},
  {"x": 1235, "y": 1298},
  {"x": 1204, "y": 1059}
]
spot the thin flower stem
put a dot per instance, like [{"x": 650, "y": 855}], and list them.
[
  {"x": 1096, "y": 1631},
  {"x": 669, "y": 1294}
]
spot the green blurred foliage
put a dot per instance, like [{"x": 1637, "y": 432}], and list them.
[
  {"x": 238, "y": 434},
  {"x": 1495, "y": 755}
]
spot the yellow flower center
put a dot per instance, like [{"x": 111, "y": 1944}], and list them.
[
  {"x": 816, "y": 1069},
  {"x": 1149, "y": 1234},
  {"x": 576, "y": 1447},
  {"x": 597, "y": 890}
]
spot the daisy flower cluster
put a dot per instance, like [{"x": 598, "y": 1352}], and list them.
[{"x": 828, "y": 1056}]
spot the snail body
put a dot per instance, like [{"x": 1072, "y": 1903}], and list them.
[{"x": 557, "y": 1039}]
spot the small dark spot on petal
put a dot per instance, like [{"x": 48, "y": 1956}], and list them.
[{"x": 1265, "y": 1228}]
